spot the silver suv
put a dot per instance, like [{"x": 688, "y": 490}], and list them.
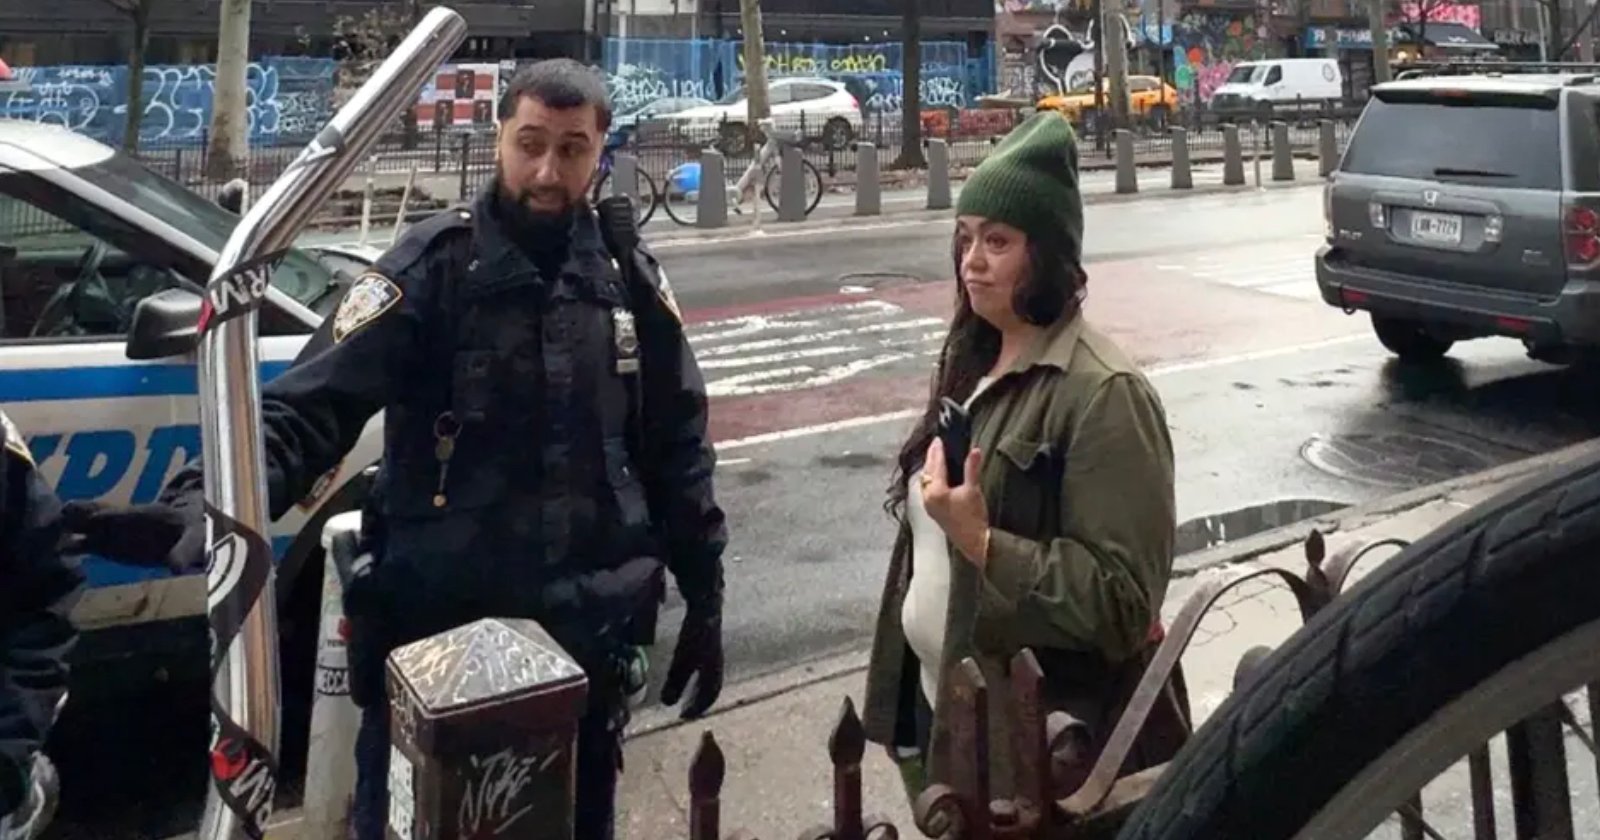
[{"x": 1467, "y": 207}]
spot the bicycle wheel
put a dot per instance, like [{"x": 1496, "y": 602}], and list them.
[
  {"x": 649, "y": 197},
  {"x": 772, "y": 187},
  {"x": 1483, "y": 623},
  {"x": 646, "y": 197}
]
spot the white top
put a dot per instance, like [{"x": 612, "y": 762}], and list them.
[{"x": 927, "y": 602}]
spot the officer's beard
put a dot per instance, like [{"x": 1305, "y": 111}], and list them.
[{"x": 522, "y": 216}]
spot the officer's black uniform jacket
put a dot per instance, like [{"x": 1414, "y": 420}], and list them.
[
  {"x": 543, "y": 504},
  {"x": 39, "y": 586}
]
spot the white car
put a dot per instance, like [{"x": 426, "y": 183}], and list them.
[
  {"x": 101, "y": 265},
  {"x": 826, "y": 109}
]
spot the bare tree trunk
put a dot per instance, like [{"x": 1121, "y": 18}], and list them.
[
  {"x": 141, "y": 42},
  {"x": 1116, "y": 63},
  {"x": 229, "y": 143},
  {"x": 911, "y": 156},
  {"x": 755, "y": 62},
  {"x": 1380, "y": 41}
]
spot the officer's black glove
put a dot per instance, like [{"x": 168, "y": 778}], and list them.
[
  {"x": 171, "y": 535},
  {"x": 698, "y": 654}
]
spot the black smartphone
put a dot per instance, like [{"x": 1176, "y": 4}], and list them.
[{"x": 955, "y": 432}]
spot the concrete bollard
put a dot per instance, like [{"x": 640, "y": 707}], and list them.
[
  {"x": 625, "y": 177},
  {"x": 1327, "y": 148},
  {"x": 938, "y": 175},
  {"x": 869, "y": 193},
  {"x": 1282, "y": 152},
  {"x": 792, "y": 186},
  {"x": 484, "y": 720},
  {"x": 1182, "y": 172},
  {"x": 1127, "y": 173},
  {"x": 330, "y": 757},
  {"x": 711, "y": 208},
  {"x": 1232, "y": 156}
]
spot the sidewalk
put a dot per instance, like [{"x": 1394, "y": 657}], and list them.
[
  {"x": 778, "y": 777},
  {"x": 899, "y": 205},
  {"x": 773, "y": 730}
]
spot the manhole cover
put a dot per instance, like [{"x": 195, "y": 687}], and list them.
[{"x": 1395, "y": 459}]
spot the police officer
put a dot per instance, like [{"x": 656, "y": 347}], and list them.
[
  {"x": 39, "y": 586},
  {"x": 545, "y": 444}
]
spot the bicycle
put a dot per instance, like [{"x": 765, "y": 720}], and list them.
[
  {"x": 684, "y": 179},
  {"x": 1484, "y": 626},
  {"x": 648, "y": 196}
]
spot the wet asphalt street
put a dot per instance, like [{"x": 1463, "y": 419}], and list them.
[{"x": 817, "y": 343}]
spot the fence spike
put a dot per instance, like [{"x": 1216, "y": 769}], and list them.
[
  {"x": 846, "y": 746},
  {"x": 969, "y": 750},
  {"x": 1316, "y": 549},
  {"x": 706, "y": 772},
  {"x": 1032, "y": 750}
]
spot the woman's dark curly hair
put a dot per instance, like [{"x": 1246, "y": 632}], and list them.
[{"x": 1054, "y": 289}]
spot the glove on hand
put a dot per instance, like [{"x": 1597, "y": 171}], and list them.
[
  {"x": 171, "y": 535},
  {"x": 698, "y": 654}
]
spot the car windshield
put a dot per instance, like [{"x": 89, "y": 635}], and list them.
[
  {"x": 299, "y": 275},
  {"x": 1499, "y": 145},
  {"x": 1244, "y": 73},
  {"x": 733, "y": 98}
]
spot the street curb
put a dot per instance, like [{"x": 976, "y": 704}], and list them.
[
  {"x": 732, "y": 234},
  {"x": 657, "y": 718},
  {"x": 795, "y": 678},
  {"x": 1360, "y": 516}
]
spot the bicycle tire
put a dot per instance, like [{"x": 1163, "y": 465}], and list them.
[
  {"x": 812, "y": 175},
  {"x": 1501, "y": 581},
  {"x": 649, "y": 210},
  {"x": 646, "y": 208}
]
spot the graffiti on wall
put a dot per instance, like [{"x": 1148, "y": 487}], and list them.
[
  {"x": 640, "y": 72},
  {"x": 1206, "y": 46},
  {"x": 287, "y": 100}
]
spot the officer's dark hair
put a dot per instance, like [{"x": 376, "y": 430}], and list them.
[
  {"x": 559, "y": 83},
  {"x": 1053, "y": 289}
]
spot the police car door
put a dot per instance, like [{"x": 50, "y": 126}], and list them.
[{"x": 100, "y": 425}]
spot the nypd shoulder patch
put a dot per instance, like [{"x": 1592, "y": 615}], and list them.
[
  {"x": 14, "y": 439},
  {"x": 370, "y": 296}
]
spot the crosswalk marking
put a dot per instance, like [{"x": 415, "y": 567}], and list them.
[
  {"x": 1285, "y": 274},
  {"x": 775, "y": 353}
]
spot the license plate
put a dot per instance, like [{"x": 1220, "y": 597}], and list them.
[{"x": 1443, "y": 228}]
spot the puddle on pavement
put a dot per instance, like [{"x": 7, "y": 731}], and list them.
[{"x": 1216, "y": 529}]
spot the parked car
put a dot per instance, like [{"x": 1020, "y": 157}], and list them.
[
  {"x": 1149, "y": 99},
  {"x": 1466, "y": 207},
  {"x": 102, "y": 263},
  {"x": 826, "y": 109}
]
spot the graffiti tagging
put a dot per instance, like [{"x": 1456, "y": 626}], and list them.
[
  {"x": 287, "y": 100},
  {"x": 640, "y": 72},
  {"x": 496, "y": 791}
]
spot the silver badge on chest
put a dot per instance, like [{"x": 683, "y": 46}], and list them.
[{"x": 625, "y": 338}]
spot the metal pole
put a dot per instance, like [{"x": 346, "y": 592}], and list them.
[{"x": 239, "y": 602}]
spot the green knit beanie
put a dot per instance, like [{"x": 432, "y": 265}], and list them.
[{"x": 1030, "y": 181}]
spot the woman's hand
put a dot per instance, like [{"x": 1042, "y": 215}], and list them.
[{"x": 961, "y": 511}]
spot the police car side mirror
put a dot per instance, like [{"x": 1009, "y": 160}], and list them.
[{"x": 165, "y": 324}]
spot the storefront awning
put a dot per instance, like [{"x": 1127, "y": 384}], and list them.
[{"x": 1449, "y": 36}]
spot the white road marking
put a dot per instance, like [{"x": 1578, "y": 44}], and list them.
[{"x": 1153, "y": 373}]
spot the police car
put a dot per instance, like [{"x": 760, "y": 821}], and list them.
[{"x": 101, "y": 266}]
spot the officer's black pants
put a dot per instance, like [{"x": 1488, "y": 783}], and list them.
[{"x": 599, "y": 749}]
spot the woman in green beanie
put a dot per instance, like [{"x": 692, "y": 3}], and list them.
[{"x": 1060, "y": 540}]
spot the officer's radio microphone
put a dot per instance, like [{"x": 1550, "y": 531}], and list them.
[{"x": 620, "y": 227}]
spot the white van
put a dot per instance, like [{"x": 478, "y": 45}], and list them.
[{"x": 1258, "y": 88}]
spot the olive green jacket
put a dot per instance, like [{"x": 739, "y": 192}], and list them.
[{"x": 1078, "y": 479}]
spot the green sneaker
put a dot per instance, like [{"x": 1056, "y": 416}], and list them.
[{"x": 635, "y": 675}]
